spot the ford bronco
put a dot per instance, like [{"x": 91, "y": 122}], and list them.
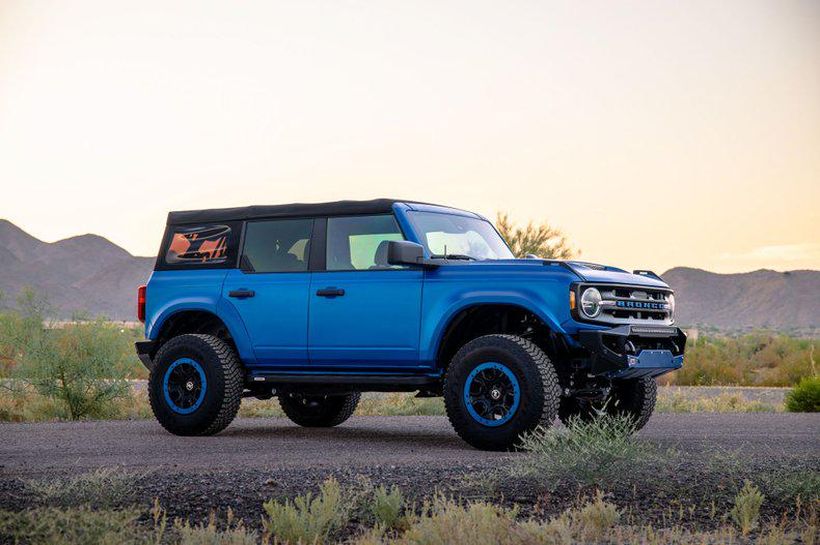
[{"x": 316, "y": 303}]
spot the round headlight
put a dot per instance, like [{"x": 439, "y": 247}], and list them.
[
  {"x": 591, "y": 302},
  {"x": 671, "y": 301}
]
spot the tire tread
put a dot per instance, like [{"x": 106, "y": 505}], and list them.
[
  {"x": 529, "y": 350},
  {"x": 233, "y": 380}
]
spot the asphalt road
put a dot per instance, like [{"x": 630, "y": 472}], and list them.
[{"x": 393, "y": 442}]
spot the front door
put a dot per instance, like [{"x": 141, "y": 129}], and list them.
[
  {"x": 364, "y": 313},
  {"x": 270, "y": 290}
]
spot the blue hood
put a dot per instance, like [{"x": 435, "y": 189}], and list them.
[{"x": 592, "y": 272}]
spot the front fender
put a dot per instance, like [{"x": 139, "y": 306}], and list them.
[{"x": 446, "y": 309}]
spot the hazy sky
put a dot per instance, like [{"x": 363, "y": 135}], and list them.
[{"x": 655, "y": 133}]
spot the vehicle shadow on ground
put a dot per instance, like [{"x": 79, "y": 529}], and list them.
[{"x": 351, "y": 433}]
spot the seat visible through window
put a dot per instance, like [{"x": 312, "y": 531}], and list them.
[
  {"x": 360, "y": 242},
  {"x": 277, "y": 245}
]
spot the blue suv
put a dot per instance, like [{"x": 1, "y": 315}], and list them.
[{"x": 316, "y": 303}]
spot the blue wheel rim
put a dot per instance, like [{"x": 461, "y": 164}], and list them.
[
  {"x": 184, "y": 386},
  {"x": 492, "y": 394}
]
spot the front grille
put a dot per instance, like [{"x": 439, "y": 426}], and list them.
[{"x": 634, "y": 305}]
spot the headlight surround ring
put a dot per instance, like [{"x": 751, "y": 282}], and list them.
[{"x": 590, "y": 303}]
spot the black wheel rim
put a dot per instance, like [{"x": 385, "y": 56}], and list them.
[{"x": 184, "y": 385}]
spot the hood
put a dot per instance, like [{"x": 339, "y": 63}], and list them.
[
  {"x": 586, "y": 272},
  {"x": 592, "y": 272}
]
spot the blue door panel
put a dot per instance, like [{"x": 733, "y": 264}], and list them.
[
  {"x": 276, "y": 317},
  {"x": 374, "y": 324}
]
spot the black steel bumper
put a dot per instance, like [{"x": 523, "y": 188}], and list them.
[
  {"x": 632, "y": 351},
  {"x": 145, "y": 351}
]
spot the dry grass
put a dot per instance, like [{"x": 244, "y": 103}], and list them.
[
  {"x": 331, "y": 515},
  {"x": 103, "y": 488},
  {"x": 675, "y": 401},
  {"x": 24, "y": 404}
]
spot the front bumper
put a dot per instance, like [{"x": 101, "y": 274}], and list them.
[
  {"x": 145, "y": 351},
  {"x": 633, "y": 351}
]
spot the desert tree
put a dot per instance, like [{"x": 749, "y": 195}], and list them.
[{"x": 542, "y": 240}]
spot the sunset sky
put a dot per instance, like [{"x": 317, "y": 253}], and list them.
[{"x": 654, "y": 133}]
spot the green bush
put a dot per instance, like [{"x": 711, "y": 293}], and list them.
[
  {"x": 387, "y": 506},
  {"x": 75, "y": 526},
  {"x": 234, "y": 532},
  {"x": 675, "y": 401},
  {"x": 746, "y": 510},
  {"x": 80, "y": 365},
  {"x": 307, "y": 519},
  {"x": 755, "y": 359},
  {"x": 805, "y": 397},
  {"x": 587, "y": 452},
  {"x": 595, "y": 518},
  {"x": 103, "y": 488},
  {"x": 19, "y": 328}
]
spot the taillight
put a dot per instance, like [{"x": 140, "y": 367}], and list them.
[{"x": 141, "y": 304}]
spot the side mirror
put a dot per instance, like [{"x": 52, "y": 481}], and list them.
[{"x": 404, "y": 252}]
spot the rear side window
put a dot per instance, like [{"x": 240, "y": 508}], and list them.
[
  {"x": 277, "y": 246},
  {"x": 360, "y": 242},
  {"x": 199, "y": 246}
]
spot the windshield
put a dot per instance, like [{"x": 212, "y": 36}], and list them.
[{"x": 459, "y": 235}]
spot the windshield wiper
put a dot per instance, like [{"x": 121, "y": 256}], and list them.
[{"x": 463, "y": 257}]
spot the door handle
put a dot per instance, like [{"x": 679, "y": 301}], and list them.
[
  {"x": 241, "y": 294},
  {"x": 330, "y": 292}
]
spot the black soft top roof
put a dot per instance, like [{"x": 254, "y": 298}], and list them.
[{"x": 337, "y": 208}]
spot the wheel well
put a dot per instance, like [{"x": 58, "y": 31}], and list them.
[
  {"x": 194, "y": 321},
  {"x": 479, "y": 320}
]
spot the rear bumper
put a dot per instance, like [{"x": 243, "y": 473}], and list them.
[
  {"x": 145, "y": 351},
  {"x": 632, "y": 351}
]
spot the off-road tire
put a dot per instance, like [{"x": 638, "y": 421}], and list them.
[
  {"x": 319, "y": 411},
  {"x": 223, "y": 393},
  {"x": 538, "y": 382},
  {"x": 634, "y": 398}
]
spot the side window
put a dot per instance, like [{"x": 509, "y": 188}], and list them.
[
  {"x": 360, "y": 242},
  {"x": 199, "y": 245},
  {"x": 277, "y": 245}
]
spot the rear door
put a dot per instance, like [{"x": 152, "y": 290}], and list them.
[
  {"x": 364, "y": 313},
  {"x": 270, "y": 289}
]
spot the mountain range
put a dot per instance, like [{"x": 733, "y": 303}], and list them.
[
  {"x": 84, "y": 274},
  {"x": 90, "y": 274}
]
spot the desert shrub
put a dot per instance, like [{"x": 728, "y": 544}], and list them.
[
  {"x": 476, "y": 523},
  {"x": 805, "y": 397},
  {"x": 594, "y": 519},
  {"x": 755, "y": 359},
  {"x": 399, "y": 404},
  {"x": 788, "y": 485},
  {"x": 586, "y": 452},
  {"x": 80, "y": 365},
  {"x": 387, "y": 506},
  {"x": 19, "y": 327},
  {"x": 76, "y": 526},
  {"x": 103, "y": 488},
  {"x": 445, "y": 521},
  {"x": 746, "y": 510},
  {"x": 21, "y": 403},
  {"x": 261, "y": 408},
  {"x": 308, "y": 518},
  {"x": 678, "y": 402},
  {"x": 233, "y": 533}
]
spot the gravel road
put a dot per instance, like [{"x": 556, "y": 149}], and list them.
[{"x": 394, "y": 442}]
